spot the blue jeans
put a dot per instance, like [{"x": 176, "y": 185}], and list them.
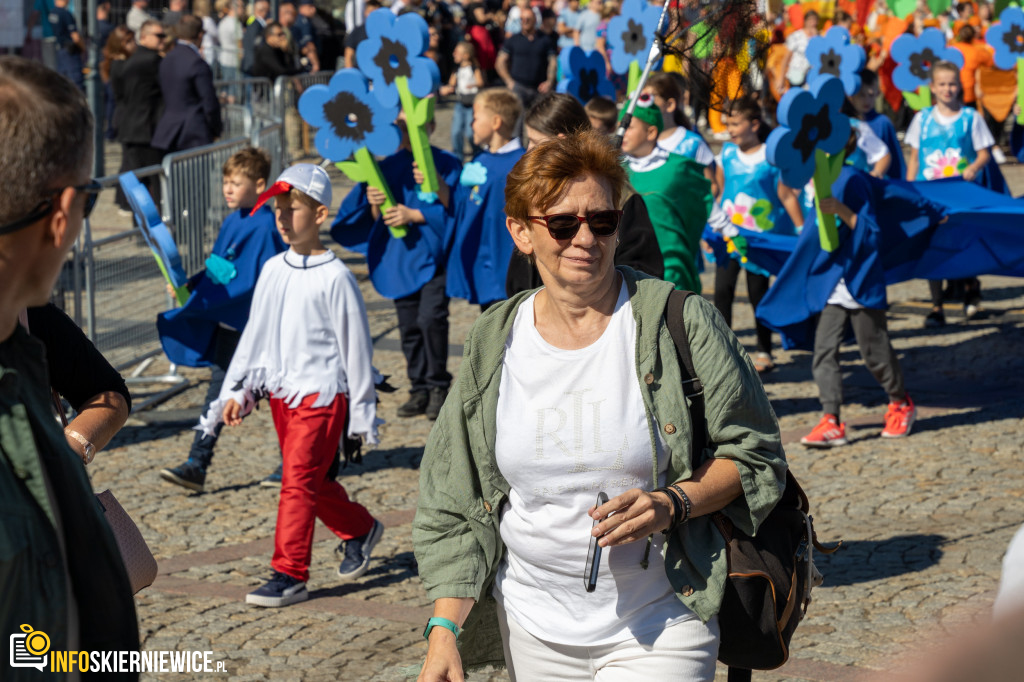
[{"x": 462, "y": 129}]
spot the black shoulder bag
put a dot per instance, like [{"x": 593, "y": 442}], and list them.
[{"x": 770, "y": 574}]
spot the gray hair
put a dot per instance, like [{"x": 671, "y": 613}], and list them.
[{"x": 45, "y": 134}]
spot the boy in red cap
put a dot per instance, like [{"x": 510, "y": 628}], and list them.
[{"x": 308, "y": 346}]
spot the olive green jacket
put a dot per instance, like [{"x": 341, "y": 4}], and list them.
[
  {"x": 34, "y": 456},
  {"x": 455, "y": 532}
]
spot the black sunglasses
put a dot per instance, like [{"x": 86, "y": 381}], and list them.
[
  {"x": 43, "y": 208},
  {"x": 566, "y": 225}
]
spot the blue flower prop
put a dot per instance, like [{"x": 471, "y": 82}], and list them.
[
  {"x": 631, "y": 33},
  {"x": 834, "y": 55},
  {"x": 914, "y": 57},
  {"x": 585, "y": 76},
  {"x": 808, "y": 120},
  {"x": 347, "y": 117},
  {"x": 394, "y": 47},
  {"x": 1006, "y": 36}
]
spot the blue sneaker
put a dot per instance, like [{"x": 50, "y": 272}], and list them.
[
  {"x": 281, "y": 590},
  {"x": 355, "y": 553},
  {"x": 274, "y": 479}
]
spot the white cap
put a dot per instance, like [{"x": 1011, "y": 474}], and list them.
[{"x": 308, "y": 178}]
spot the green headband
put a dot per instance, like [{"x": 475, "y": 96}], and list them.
[{"x": 648, "y": 114}]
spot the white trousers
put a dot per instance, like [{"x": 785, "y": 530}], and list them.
[{"x": 685, "y": 652}]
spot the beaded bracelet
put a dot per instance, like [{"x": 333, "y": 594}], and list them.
[
  {"x": 677, "y": 509},
  {"x": 686, "y": 502}
]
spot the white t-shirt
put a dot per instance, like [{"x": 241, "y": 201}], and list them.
[
  {"x": 796, "y": 43},
  {"x": 230, "y": 31},
  {"x": 572, "y": 423},
  {"x": 869, "y": 143},
  {"x": 842, "y": 297},
  {"x": 981, "y": 136},
  {"x": 643, "y": 164},
  {"x": 754, "y": 158},
  {"x": 465, "y": 80},
  {"x": 704, "y": 156}
]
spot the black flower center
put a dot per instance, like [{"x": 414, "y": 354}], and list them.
[
  {"x": 588, "y": 84},
  {"x": 830, "y": 62},
  {"x": 1014, "y": 39},
  {"x": 813, "y": 129},
  {"x": 393, "y": 60},
  {"x": 633, "y": 39},
  {"x": 921, "y": 63},
  {"x": 348, "y": 116}
]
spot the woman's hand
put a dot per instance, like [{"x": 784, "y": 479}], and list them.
[
  {"x": 840, "y": 210},
  {"x": 637, "y": 514},
  {"x": 232, "y": 415},
  {"x": 443, "y": 663}
]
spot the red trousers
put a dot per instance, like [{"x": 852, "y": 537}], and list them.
[{"x": 309, "y": 438}]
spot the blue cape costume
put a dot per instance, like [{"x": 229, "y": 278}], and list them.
[
  {"x": 399, "y": 267},
  {"x": 223, "y": 292},
  {"x": 980, "y": 236},
  {"x": 480, "y": 245}
]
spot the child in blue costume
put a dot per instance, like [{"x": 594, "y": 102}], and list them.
[
  {"x": 751, "y": 197},
  {"x": 409, "y": 269},
  {"x": 677, "y": 136},
  {"x": 205, "y": 331},
  {"x": 817, "y": 292},
  {"x": 949, "y": 140},
  {"x": 864, "y": 106},
  {"x": 480, "y": 245}
]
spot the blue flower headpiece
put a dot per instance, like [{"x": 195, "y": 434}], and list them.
[
  {"x": 834, "y": 55},
  {"x": 584, "y": 75}
]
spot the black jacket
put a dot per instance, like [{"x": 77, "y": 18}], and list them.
[
  {"x": 192, "y": 113},
  {"x": 137, "y": 96},
  {"x": 270, "y": 62},
  {"x": 638, "y": 248}
]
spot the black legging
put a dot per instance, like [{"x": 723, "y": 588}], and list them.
[{"x": 725, "y": 292}]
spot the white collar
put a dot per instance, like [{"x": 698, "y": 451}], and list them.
[
  {"x": 655, "y": 159},
  {"x": 300, "y": 262},
  {"x": 509, "y": 146}
]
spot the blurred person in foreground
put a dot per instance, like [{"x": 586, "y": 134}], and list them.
[
  {"x": 565, "y": 391},
  {"x": 60, "y": 568}
]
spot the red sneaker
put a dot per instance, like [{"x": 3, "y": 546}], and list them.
[
  {"x": 899, "y": 418},
  {"x": 829, "y": 433}
]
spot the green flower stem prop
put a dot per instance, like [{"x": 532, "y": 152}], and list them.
[
  {"x": 180, "y": 293},
  {"x": 634, "y": 76},
  {"x": 826, "y": 171},
  {"x": 923, "y": 97},
  {"x": 1020, "y": 91},
  {"x": 365, "y": 169},
  {"x": 419, "y": 112}
]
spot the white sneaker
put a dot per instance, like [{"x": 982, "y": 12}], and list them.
[
  {"x": 998, "y": 155},
  {"x": 971, "y": 311}
]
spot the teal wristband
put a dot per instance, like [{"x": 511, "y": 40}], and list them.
[{"x": 444, "y": 623}]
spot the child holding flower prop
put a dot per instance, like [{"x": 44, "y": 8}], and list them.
[
  {"x": 915, "y": 56},
  {"x": 391, "y": 56},
  {"x": 809, "y": 143},
  {"x": 352, "y": 122},
  {"x": 1007, "y": 39},
  {"x": 630, "y": 35}
]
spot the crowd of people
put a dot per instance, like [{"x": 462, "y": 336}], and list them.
[{"x": 570, "y": 245}]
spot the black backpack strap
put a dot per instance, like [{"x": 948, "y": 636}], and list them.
[{"x": 692, "y": 386}]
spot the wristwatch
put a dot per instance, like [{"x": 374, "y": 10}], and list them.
[
  {"x": 89, "y": 449},
  {"x": 444, "y": 623}
]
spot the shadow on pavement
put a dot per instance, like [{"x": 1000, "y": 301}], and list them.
[
  {"x": 386, "y": 571},
  {"x": 861, "y": 561}
]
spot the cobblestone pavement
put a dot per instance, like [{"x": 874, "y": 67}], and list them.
[{"x": 924, "y": 520}]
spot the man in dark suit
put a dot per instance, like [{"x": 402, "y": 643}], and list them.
[
  {"x": 191, "y": 110},
  {"x": 139, "y": 104}
]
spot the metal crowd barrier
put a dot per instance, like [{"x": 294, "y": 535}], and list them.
[
  {"x": 287, "y": 90},
  {"x": 237, "y": 120},
  {"x": 120, "y": 290},
  {"x": 256, "y": 94},
  {"x": 193, "y": 203}
]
